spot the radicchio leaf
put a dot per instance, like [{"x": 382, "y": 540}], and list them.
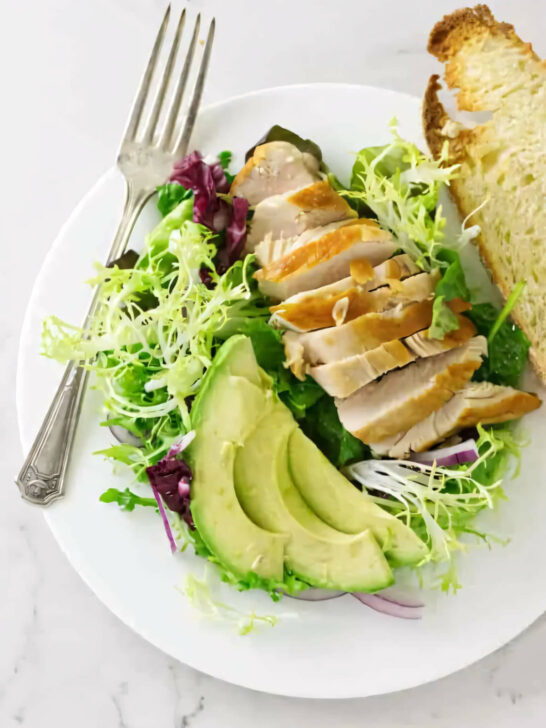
[
  {"x": 207, "y": 181},
  {"x": 171, "y": 478},
  {"x": 235, "y": 234}
]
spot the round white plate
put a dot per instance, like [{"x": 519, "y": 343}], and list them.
[{"x": 332, "y": 649}]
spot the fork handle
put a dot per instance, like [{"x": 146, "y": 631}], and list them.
[{"x": 41, "y": 479}]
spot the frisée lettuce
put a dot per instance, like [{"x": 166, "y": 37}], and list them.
[{"x": 150, "y": 362}]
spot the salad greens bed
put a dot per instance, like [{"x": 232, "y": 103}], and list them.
[{"x": 164, "y": 313}]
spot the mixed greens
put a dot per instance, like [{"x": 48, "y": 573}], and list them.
[{"x": 163, "y": 314}]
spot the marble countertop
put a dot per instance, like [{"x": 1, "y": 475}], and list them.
[{"x": 69, "y": 70}]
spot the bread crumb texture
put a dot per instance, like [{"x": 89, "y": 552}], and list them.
[{"x": 502, "y": 161}]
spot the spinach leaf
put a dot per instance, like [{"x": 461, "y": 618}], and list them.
[
  {"x": 170, "y": 195},
  {"x": 125, "y": 261},
  {"x": 508, "y": 348},
  {"x": 280, "y": 134},
  {"x": 321, "y": 424},
  {"x": 267, "y": 343},
  {"x": 225, "y": 160}
]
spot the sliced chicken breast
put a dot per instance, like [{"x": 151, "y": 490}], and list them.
[
  {"x": 342, "y": 378},
  {"x": 270, "y": 249},
  {"x": 422, "y": 345},
  {"x": 325, "y": 259},
  {"x": 320, "y": 311},
  {"x": 403, "y": 398},
  {"x": 478, "y": 402},
  {"x": 291, "y": 213},
  {"x": 360, "y": 335},
  {"x": 362, "y": 273},
  {"x": 274, "y": 168}
]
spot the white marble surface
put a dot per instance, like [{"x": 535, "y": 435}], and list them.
[{"x": 68, "y": 69}]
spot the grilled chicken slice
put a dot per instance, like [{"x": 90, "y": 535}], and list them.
[
  {"x": 362, "y": 272},
  {"x": 342, "y": 378},
  {"x": 403, "y": 398},
  {"x": 360, "y": 335},
  {"x": 422, "y": 345},
  {"x": 325, "y": 259},
  {"x": 291, "y": 213},
  {"x": 478, "y": 402},
  {"x": 274, "y": 168},
  {"x": 307, "y": 313},
  {"x": 271, "y": 249}
]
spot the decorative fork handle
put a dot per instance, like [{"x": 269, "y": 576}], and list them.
[{"x": 41, "y": 479}]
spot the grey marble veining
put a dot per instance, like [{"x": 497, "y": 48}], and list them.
[{"x": 65, "y": 661}]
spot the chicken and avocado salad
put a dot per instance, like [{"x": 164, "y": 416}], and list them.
[{"x": 298, "y": 370}]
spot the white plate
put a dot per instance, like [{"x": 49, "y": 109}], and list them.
[{"x": 333, "y": 649}]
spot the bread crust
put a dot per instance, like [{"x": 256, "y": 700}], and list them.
[{"x": 463, "y": 26}]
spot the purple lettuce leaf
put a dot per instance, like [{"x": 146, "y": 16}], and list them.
[
  {"x": 171, "y": 478},
  {"x": 235, "y": 234},
  {"x": 207, "y": 181}
]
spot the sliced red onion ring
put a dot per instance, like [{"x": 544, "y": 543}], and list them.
[
  {"x": 165, "y": 520},
  {"x": 397, "y": 595},
  {"x": 463, "y": 452},
  {"x": 386, "y": 606},
  {"x": 314, "y": 594}
]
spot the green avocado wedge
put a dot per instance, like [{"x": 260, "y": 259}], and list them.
[
  {"x": 225, "y": 412},
  {"x": 336, "y": 501},
  {"x": 317, "y": 553}
]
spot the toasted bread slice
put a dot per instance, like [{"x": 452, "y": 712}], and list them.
[{"x": 503, "y": 161}]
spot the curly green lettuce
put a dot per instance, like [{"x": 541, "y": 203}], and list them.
[{"x": 153, "y": 335}]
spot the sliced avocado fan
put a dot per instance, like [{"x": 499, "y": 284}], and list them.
[
  {"x": 265, "y": 498},
  {"x": 317, "y": 553}
]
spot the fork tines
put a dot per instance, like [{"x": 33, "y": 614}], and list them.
[{"x": 144, "y": 125}]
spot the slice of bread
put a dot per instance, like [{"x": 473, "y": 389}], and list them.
[{"x": 503, "y": 161}]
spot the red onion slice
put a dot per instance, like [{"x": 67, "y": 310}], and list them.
[
  {"x": 165, "y": 520},
  {"x": 386, "y": 606},
  {"x": 463, "y": 452},
  {"x": 398, "y": 596}
]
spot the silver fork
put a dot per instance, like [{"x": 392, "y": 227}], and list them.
[{"x": 146, "y": 157}]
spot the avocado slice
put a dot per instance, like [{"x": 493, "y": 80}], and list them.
[
  {"x": 336, "y": 501},
  {"x": 224, "y": 413},
  {"x": 316, "y": 552}
]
